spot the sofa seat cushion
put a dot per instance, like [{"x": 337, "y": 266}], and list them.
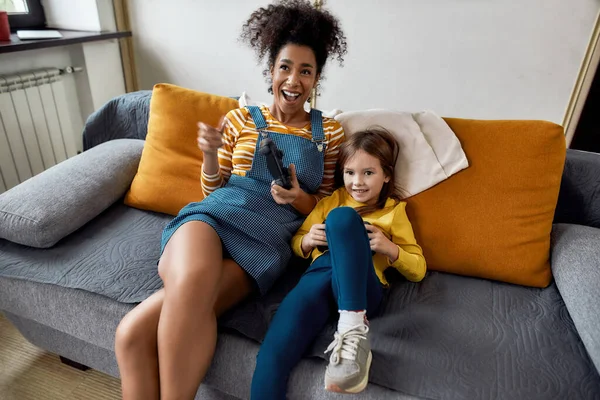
[
  {"x": 461, "y": 338},
  {"x": 114, "y": 255},
  {"x": 446, "y": 337}
]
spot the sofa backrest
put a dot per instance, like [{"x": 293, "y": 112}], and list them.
[
  {"x": 124, "y": 117},
  {"x": 579, "y": 198}
]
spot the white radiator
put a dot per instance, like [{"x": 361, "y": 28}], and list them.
[{"x": 35, "y": 126}]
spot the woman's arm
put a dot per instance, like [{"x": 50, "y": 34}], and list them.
[
  {"x": 304, "y": 202},
  {"x": 217, "y": 165}
]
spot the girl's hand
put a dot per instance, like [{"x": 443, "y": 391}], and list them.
[
  {"x": 210, "y": 138},
  {"x": 286, "y": 196},
  {"x": 315, "y": 237},
  {"x": 380, "y": 243}
]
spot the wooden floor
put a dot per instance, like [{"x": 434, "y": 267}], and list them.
[{"x": 27, "y": 372}]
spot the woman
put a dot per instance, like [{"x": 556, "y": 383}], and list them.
[{"x": 218, "y": 251}]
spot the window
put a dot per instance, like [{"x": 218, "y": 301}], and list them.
[{"x": 24, "y": 14}]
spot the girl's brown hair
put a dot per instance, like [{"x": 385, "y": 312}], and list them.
[{"x": 380, "y": 144}]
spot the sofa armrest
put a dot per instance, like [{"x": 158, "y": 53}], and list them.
[
  {"x": 51, "y": 205},
  {"x": 579, "y": 198},
  {"x": 576, "y": 270},
  {"x": 124, "y": 117}
]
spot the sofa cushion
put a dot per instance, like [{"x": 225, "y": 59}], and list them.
[
  {"x": 44, "y": 209},
  {"x": 576, "y": 268},
  {"x": 461, "y": 338},
  {"x": 114, "y": 255},
  {"x": 168, "y": 177},
  {"x": 493, "y": 220},
  {"x": 445, "y": 337}
]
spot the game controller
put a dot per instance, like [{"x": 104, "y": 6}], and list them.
[{"x": 280, "y": 174}]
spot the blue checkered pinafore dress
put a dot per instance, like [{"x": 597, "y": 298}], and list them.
[{"x": 254, "y": 229}]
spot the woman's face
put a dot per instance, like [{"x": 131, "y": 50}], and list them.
[{"x": 294, "y": 75}]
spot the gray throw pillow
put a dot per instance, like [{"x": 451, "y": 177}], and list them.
[
  {"x": 42, "y": 210},
  {"x": 576, "y": 270}
]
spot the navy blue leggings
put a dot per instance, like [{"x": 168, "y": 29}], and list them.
[{"x": 342, "y": 278}]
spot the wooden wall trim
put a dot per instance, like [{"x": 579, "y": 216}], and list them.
[
  {"x": 126, "y": 44},
  {"x": 583, "y": 83}
]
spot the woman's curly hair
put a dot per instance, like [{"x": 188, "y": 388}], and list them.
[{"x": 298, "y": 22}]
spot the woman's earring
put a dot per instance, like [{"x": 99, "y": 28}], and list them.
[{"x": 312, "y": 99}]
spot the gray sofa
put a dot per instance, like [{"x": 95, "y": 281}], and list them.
[{"x": 78, "y": 260}]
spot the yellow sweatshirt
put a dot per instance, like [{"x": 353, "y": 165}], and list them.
[{"x": 393, "y": 222}]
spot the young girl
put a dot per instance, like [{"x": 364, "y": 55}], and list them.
[{"x": 353, "y": 236}]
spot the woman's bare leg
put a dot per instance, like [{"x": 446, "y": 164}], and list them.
[
  {"x": 136, "y": 343},
  {"x": 135, "y": 347},
  {"x": 193, "y": 272}
]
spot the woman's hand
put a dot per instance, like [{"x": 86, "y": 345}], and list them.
[
  {"x": 287, "y": 196},
  {"x": 315, "y": 237},
  {"x": 380, "y": 243},
  {"x": 210, "y": 139}
]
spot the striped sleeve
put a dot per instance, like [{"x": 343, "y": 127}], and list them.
[
  {"x": 335, "y": 135},
  {"x": 234, "y": 123}
]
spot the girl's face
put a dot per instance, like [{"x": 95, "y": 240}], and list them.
[
  {"x": 294, "y": 75},
  {"x": 364, "y": 178}
]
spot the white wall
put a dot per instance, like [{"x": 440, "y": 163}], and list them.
[{"x": 462, "y": 58}]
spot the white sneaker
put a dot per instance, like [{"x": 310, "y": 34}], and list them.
[{"x": 350, "y": 361}]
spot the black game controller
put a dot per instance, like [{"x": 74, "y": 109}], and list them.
[
  {"x": 274, "y": 156},
  {"x": 322, "y": 249}
]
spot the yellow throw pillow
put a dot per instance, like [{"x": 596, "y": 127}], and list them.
[
  {"x": 168, "y": 176},
  {"x": 493, "y": 219}
]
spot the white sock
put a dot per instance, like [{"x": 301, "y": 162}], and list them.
[{"x": 350, "y": 319}]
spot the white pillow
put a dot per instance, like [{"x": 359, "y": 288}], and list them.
[
  {"x": 429, "y": 151},
  {"x": 245, "y": 100}
]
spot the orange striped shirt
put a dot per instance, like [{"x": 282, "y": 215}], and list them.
[{"x": 239, "y": 143}]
